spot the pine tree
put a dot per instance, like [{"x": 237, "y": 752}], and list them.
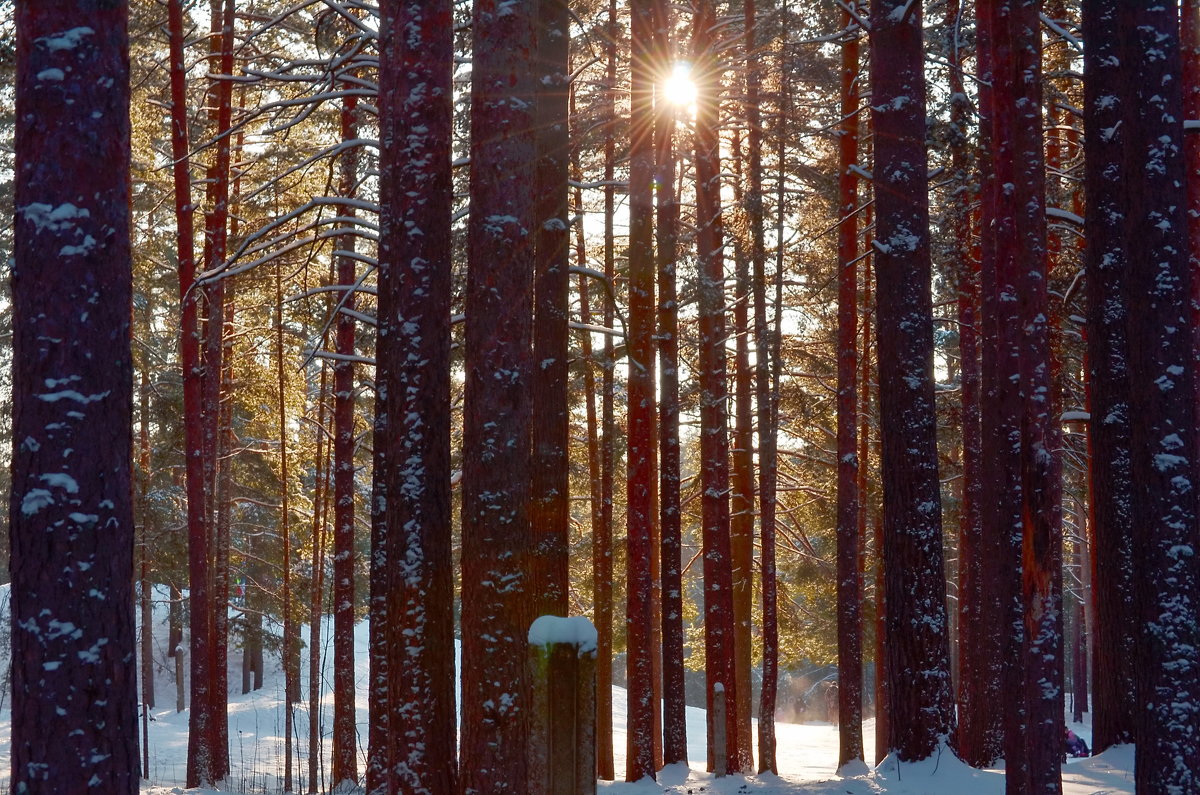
[
  {"x": 918, "y": 655},
  {"x": 74, "y": 718}
]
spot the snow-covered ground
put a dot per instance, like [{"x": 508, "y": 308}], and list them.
[{"x": 807, "y": 753}]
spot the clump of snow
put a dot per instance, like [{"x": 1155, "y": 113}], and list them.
[{"x": 576, "y": 631}]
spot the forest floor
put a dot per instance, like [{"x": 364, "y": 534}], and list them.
[{"x": 807, "y": 751}]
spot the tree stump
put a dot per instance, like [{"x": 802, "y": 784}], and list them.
[
  {"x": 720, "y": 737},
  {"x": 562, "y": 739}
]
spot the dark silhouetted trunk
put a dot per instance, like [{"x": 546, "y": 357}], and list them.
[
  {"x": 1001, "y": 626},
  {"x": 978, "y": 739},
  {"x": 918, "y": 654},
  {"x": 1105, "y": 257},
  {"x": 1020, "y": 169},
  {"x": 317, "y": 585},
  {"x": 74, "y": 708},
  {"x": 602, "y": 545},
  {"x": 667, "y": 223},
  {"x": 714, "y": 440},
  {"x": 291, "y": 672},
  {"x": 767, "y": 346},
  {"x": 1162, "y": 410}
]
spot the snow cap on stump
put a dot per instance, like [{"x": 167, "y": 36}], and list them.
[{"x": 577, "y": 631}]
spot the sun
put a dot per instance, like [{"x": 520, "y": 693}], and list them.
[{"x": 679, "y": 88}]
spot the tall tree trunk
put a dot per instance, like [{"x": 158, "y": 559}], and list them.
[
  {"x": 216, "y": 230},
  {"x": 1001, "y": 641},
  {"x": 291, "y": 685},
  {"x": 714, "y": 440},
  {"x": 1041, "y": 554},
  {"x": 146, "y": 588},
  {"x": 74, "y": 709},
  {"x": 767, "y": 343},
  {"x": 496, "y": 435},
  {"x": 640, "y": 385},
  {"x": 199, "y": 764},
  {"x": 918, "y": 654},
  {"x": 1079, "y": 675},
  {"x": 849, "y": 579},
  {"x": 549, "y": 515},
  {"x": 413, "y": 733},
  {"x": 602, "y": 548},
  {"x": 317, "y": 586},
  {"x": 741, "y": 509},
  {"x": 670, "y": 532},
  {"x": 344, "y": 763},
  {"x": 1190, "y": 43},
  {"x": 1105, "y": 258},
  {"x": 223, "y": 495},
  {"x": 1162, "y": 380},
  {"x": 978, "y": 739}
]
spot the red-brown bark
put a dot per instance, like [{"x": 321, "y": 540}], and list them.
[
  {"x": 714, "y": 440},
  {"x": 918, "y": 655},
  {"x": 1001, "y": 624},
  {"x": 849, "y": 578},
  {"x": 667, "y": 221},
  {"x": 216, "y": 236},
  {"x": 344, "y": 764},
  {"x": 549, "y": 515},
  {"x": 1019, "y": 81},
  {"x": 640, "y": 385},
  {"x": 1105, "y": 255},
  {"x": 497, "y": 415},
  {"x": 413, "y": 733},
  {"x": 74, "y": 708},
  {"x": 741, "y": 503},
  {"x": 199, "y": 765}
]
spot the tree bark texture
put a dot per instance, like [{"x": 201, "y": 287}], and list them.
[
  {"x": 1162, "y": 411},
  {"x": 413, "y": 730},
  {"x": 497, "y": 415},
  {"x": 1002, "y": 625},
  {"x": 216, "y": 236},
  {"x": 74, "y": 708},
  {"x": 602, "y": 545},
  {"x": 978, "y": 739},
  {"x": 714, "y": 424},
  {"x": 551, "y": 437},
  {"x": 1041, "y": 551},
  {"x": 640, "y": 385},
  {"x": 918, "y": 654},
  {"x": 344, "y": 764},
  {"x": 849, "y": 578},
  {"x": 670, "y": 514},
  {"x": 1110, "y": 456}
]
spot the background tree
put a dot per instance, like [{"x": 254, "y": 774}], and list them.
[{"x": 1111, "y": 501}]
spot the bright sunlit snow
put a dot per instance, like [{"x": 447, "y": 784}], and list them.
[{"x": 807, "y": 752}]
